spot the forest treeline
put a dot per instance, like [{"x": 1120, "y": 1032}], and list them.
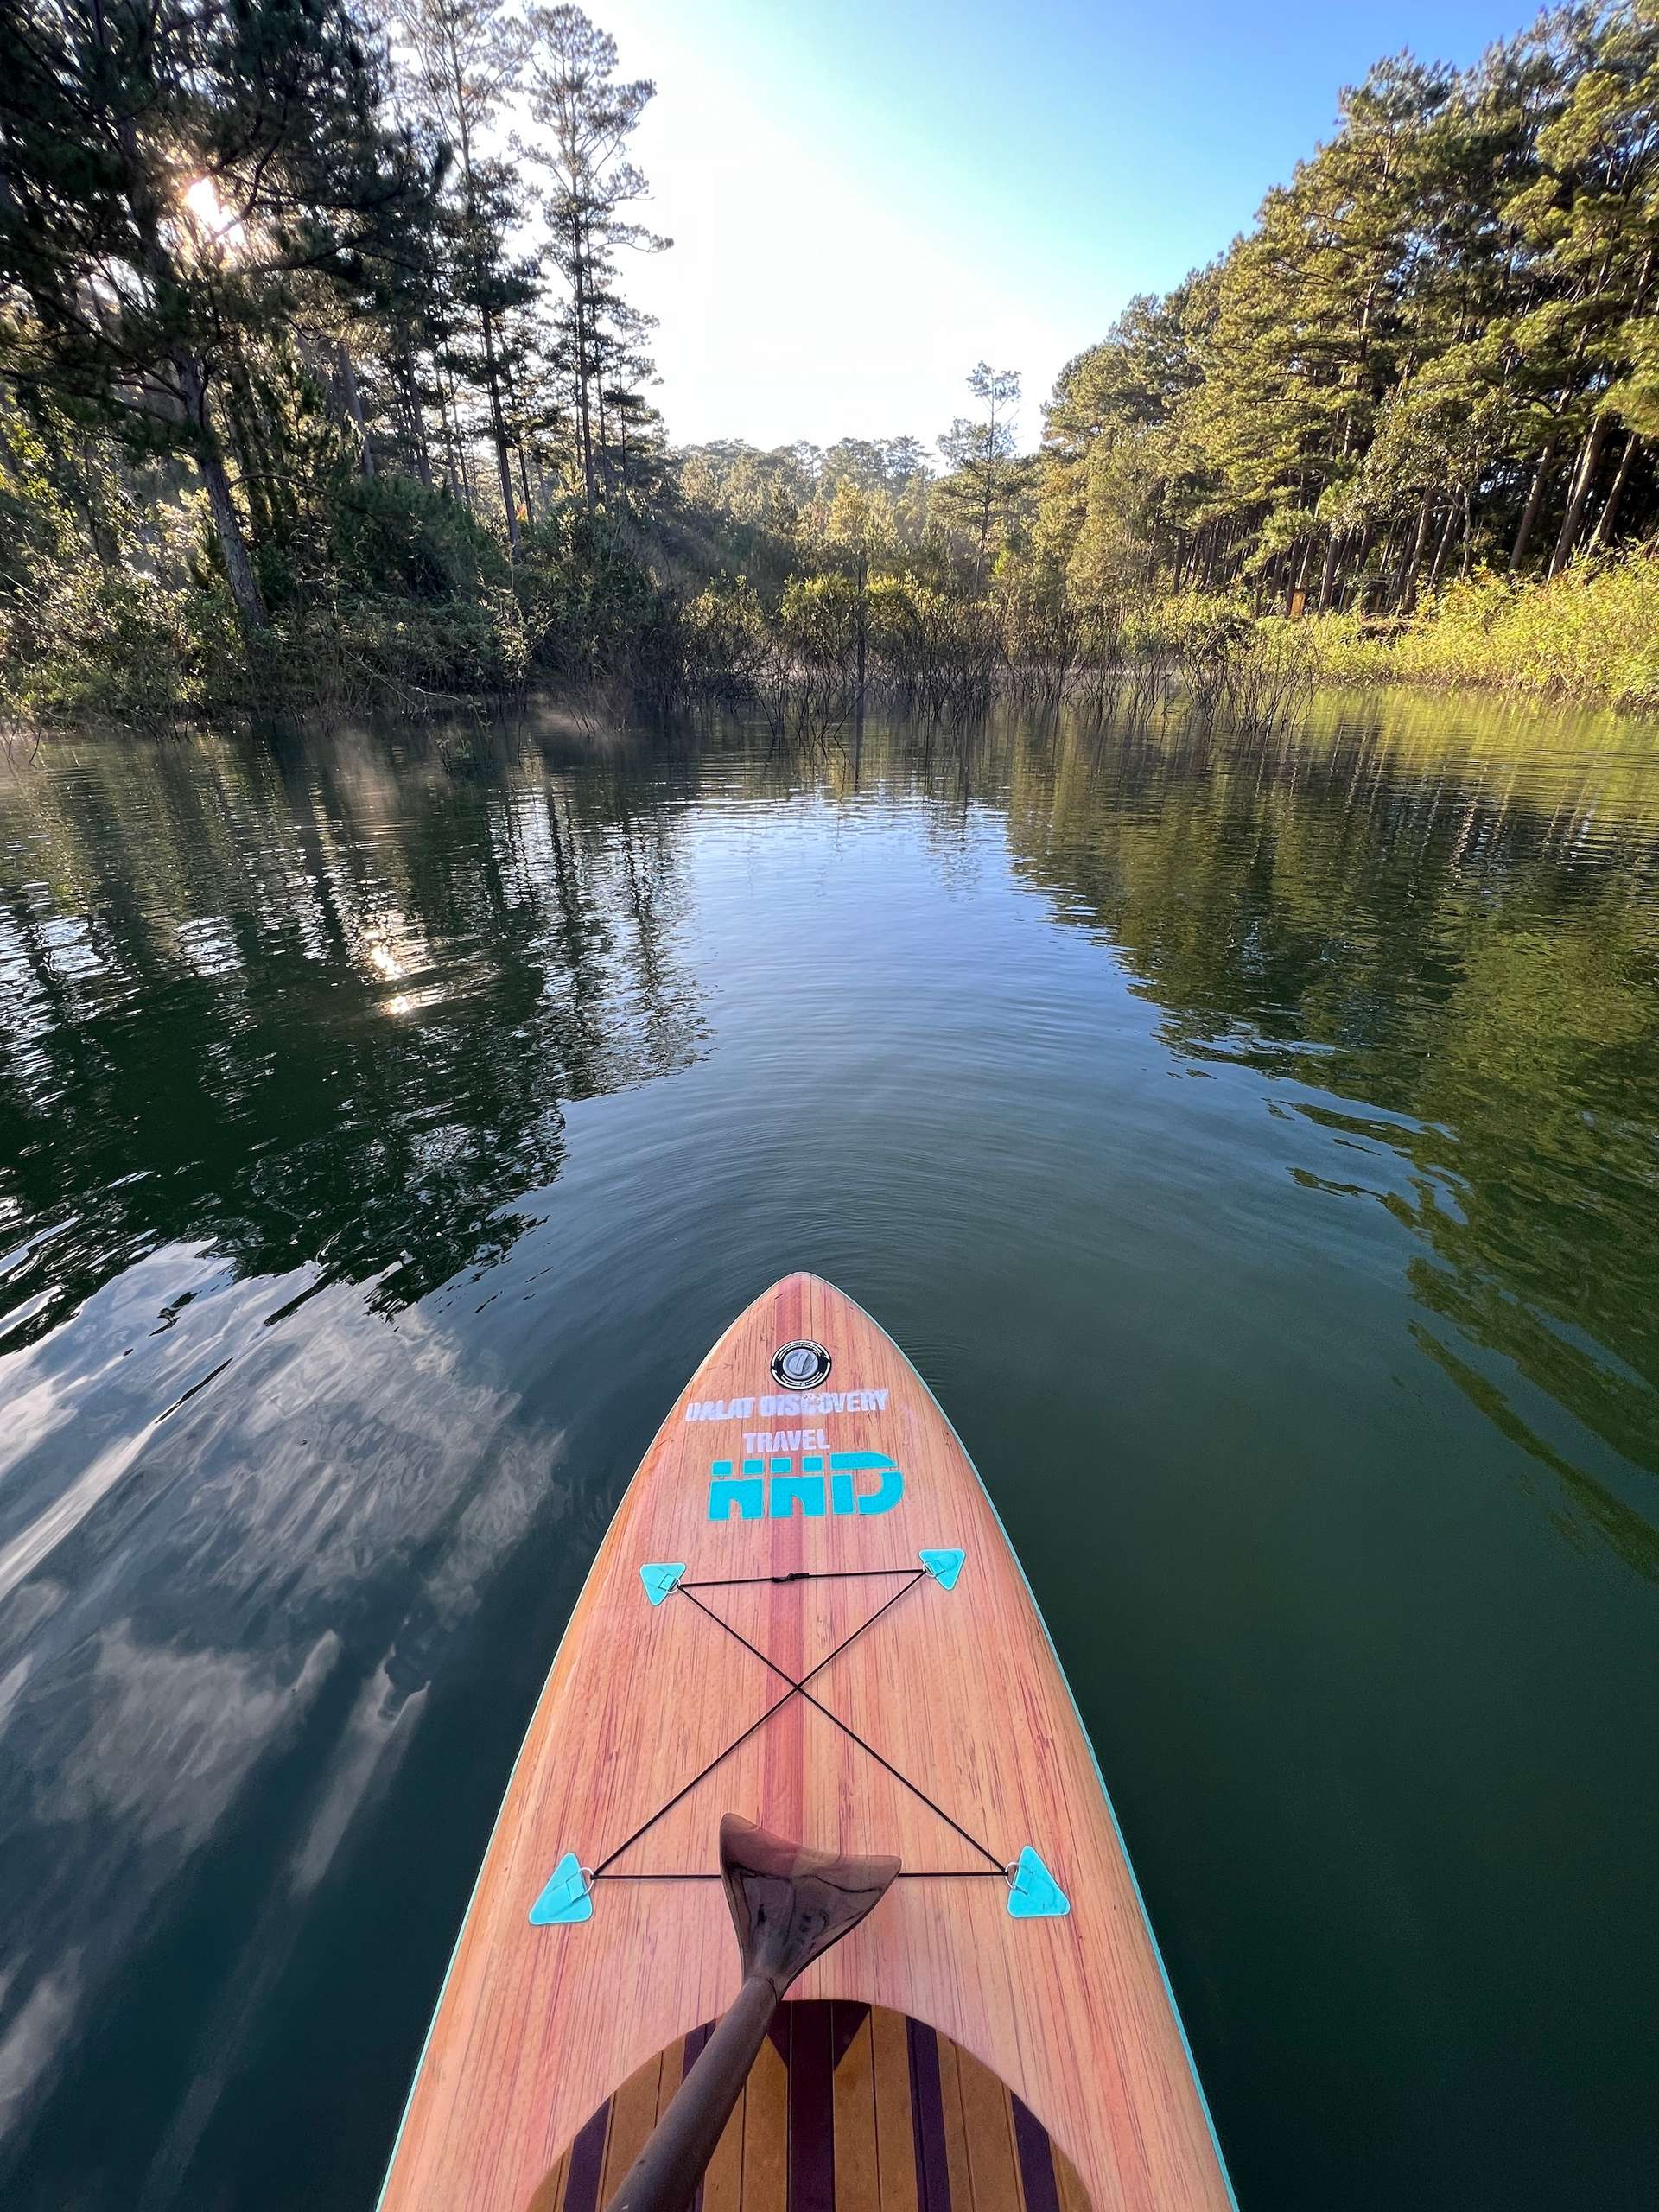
[
  {"x": 1435, "y": 348},
  {"x": 320, "y": 380}
]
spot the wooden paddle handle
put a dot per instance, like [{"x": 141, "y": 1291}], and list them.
[
  {"x": 664, "y": 2176},
  {"x": 788, "y": 1905}
]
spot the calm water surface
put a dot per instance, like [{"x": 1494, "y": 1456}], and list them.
[{"x": 1257, "y": 1146}]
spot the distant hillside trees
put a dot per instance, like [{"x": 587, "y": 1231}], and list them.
[{"x": 1436, "y": 347}]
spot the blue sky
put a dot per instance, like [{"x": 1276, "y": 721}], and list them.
[{"x": 867, "y": 197}]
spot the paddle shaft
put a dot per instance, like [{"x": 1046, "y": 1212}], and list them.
[{"x": 666, "y": 2172}]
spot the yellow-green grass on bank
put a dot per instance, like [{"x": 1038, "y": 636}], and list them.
[{"x": 1592, "y": 632}]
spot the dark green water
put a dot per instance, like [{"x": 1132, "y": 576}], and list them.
[{"x": 1257, "y": 1147}]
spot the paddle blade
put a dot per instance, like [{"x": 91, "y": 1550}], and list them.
[{"x": 788, "y": 1903}]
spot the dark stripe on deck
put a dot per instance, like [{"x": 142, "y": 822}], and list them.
[
  {"x": 1036, "y": 2160},
  {"x": 778, "y": 2153},
  {"x": 811, "y": 2130},
  {"x": 927, "y": 2115},
  {"x": 587, "y": 2162}
]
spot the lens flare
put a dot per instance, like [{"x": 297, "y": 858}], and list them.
[{"x": 209, "y": 213}]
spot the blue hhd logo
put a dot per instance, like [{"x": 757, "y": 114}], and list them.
[{"x": 773, "y": 1487}]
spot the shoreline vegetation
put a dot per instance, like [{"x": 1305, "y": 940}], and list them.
[{"x": 320, "y": 390}]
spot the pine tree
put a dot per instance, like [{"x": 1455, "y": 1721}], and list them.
[
  {"x": 465, "y": 59},
  {"x": 979, "y": 450},
  {"x": 584, "y": 118}
]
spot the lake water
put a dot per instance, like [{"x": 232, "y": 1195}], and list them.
[{"x": 1255, "y": 1144}]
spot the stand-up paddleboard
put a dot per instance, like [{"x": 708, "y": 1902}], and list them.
[{"x": 806, "y": 1613}]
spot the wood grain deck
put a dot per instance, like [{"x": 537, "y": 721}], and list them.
[
  {"x": 537, "y": 2028},
  {"x": 946, "y": 2134}
]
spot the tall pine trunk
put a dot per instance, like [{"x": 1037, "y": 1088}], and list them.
[
  {"x": 352, "y": 394},
  {"x": 228, "y": 523},
  {"x": 1328, "y": 574},
  {"x": 1583, "y": 478},
  {"x": 447, "y": 441},
  {"x": 1602, "y": 534},
  {"x": 1296, "y": 576},
  {"x": 1349, "y": 583},
  {"x": 458, "y": 447},
  {"x": 1384, "y": 571},
  {"x": 1444, "y": 546},
  {"x": 1529, "y": 513},
  {"x": 417, "y": 415},
  {"x": 519, "y": 443},
  {"x": 1409, "y": 577},
  {"x": 498, "y": 432},
  {"x": 585, "y": 421}
]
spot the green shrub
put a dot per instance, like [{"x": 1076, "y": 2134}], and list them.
[
  {"x": 818, "y": 622},
  {"x": 1592, "y": 630},
  {"x": 585, "y": 595},
  {"x": 726, "y": 641},
  {"x": 392, "y": 536},
  {"x": 116, "y": 644}
]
